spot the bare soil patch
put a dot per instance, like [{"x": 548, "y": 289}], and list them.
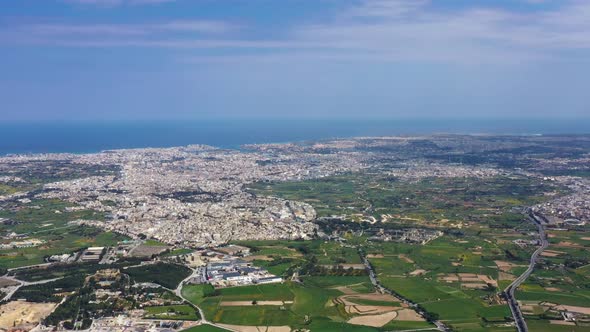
[
  {"x": 568, "y": 244},
  {"x": 369, "y": 309},
  {"x": 418, "y": 272},
  {"x": 406, "y": 259},
  {"x": 527, "y": 308},
  {"x": 409, "y": 315},
  {"x": 552, "y": 253},
  {"x": 561, "y": 322},
  {"x": 244, "y": 328},
  {"x": 375, "y": 256},
  {"x": 506, "y": 266},
  {"x": 582, "y": 310},
  {"x": 450, "y": 278},
  {"x": 147, "y": 251},
  {"x": 467, "y": 275},
  {"x": 474, "y": 286},
  {"x": 474, "y": 279},
  {"x": 553, "y": 289},
  {"x": 23, "y": 314},
  {"x": 371, "y": 297},
  {"x": 257, "y": 257},
  {"x": 506, "y": 276},
  {"x": 468, "y": 279},
  {"x": 374, "y": 320},
  {"x": 5, "y": 282}
]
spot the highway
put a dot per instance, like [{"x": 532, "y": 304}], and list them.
[{"x": 509, "y": 291}]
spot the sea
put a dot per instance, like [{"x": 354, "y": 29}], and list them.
[{"x": 89, "y": 137}]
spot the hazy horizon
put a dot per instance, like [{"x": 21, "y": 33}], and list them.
[{"x": 92, "y": 136}]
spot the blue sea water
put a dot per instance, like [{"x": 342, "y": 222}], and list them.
[{"x": 84, "y": 137}]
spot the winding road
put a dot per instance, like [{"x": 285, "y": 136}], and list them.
[
  {"x": 23, "y": 283},
  {"x": 178, "y": 292},
  {"x": 509, "y": 291}
]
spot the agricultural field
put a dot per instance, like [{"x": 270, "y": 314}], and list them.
[
  {"x": 177, "y": 252},
  {"x": 33, "y": 174},
  {"x": 154, "y": 243},
  {"x": 458, "y": 277},
  {"x": 545, "y": 326},
  {"x": 204, "y": 328},
  {"x": 279, "y": 257},
  {"x": 47, "y": 222},
  {"x": 454, "y": 279},
  {"x": 324, "y": 299},
  {"x": 178, "y": 312},
  {"x": 561, "y": 280},
  {"x": 316, "y": 304},
  {"x": 369, "y": 196},
  {"x": 164, "y": 274}
]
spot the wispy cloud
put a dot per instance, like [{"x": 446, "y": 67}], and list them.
[
  {"x": 384, "y": 8},
  {"x": 415, "y": 30},
  {"x": 111, "y": 3},
  {"x": 372, "y": 30},
  {"x": 102, "y": 30}
]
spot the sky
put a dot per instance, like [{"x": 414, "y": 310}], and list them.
[{"x": 64, "y": 60}]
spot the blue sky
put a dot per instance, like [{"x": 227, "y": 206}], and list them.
[{"x": 192, "y": 59}]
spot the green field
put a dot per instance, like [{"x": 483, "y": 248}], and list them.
[
  {"x": 73, "y": 240},
  {"x": 47, "y": 220},
  {"x": 178, "y": 312},
  {"x": 197, "y": 293},
  {"x": 483, "y": 205},
  {"x": 563, "y": 279},
  {"x": 460, "y": 308},
  {"x": 309, "y": 300},
  {"x": 154, "y": 243},
  {"x": 177, "y": 252},
  {"x": 167, "y": 275},
  {"x": 427, "y": 199},
  {"x": 543, "y": 326},
  {"x": 204, "y": 328}
]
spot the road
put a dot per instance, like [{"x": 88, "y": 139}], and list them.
[
  {"x": 440, "y": 326},
  {"x": 509, "y": 291},
  {"x": 178, "y": 292},
  {"x": 22, "y": 283},
  {"x": 28, "y": 267}
]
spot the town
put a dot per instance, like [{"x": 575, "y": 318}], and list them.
[{"x": 196, "y": 237}]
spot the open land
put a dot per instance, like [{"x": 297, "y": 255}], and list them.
[{"x": 365, "y": 234}]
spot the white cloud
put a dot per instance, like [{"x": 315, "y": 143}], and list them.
[
  {"x": 111, "y": 3},
  {"x": 413, "y": 29},
  {"x": 386, "y": 8},
  {"x": 372, "y": 30},
  {"x": 56, "y": 31}
]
